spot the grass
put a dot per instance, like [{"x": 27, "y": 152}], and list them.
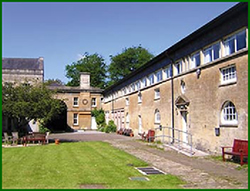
[
  {"x": 238, "y": 167},
  {"x": 70, "y": 165}
]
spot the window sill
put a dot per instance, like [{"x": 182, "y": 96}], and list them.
[
  {"x": 158, "y": 98},
  {"x": 157, "y": 123},
  {"x": 228, "y": 125},
  {"x": 227, "y": 84}
]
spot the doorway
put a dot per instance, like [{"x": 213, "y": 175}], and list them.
[
  {"x": 184, "y": 126},
  {"x": 139, "y": 124}
]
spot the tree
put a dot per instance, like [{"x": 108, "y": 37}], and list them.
[
  {"x": 126, "y": 62},
  {"x": 94, "y": 64},
  {"x": 25, "y": 102},
  {"x": 52, "y": 82}
]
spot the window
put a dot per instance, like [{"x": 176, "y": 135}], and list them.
[
  {"x": 75, "y": 101},
  {"x": 93, "y": 102},
  {"x": 75, "y": 119},
  {"x": 159, "y": 76},
  {"x": 168, "y": 72},
  {"x": 151, "y": 79},
  {"x": 157, "y": 93},
  {"x": 139, "y": 97},
  {"x": 144, "y": 82},
  {"x": 178, "y": 68},
  {"x": 124, "y": 91},
  {"x": 138, "y": 85},
  {"x": 133, "y": 87},
  {"x": 127, "y": 120},
  {"x": 229, "y": 114},
  {"x": 228, "y": 74},
  {"x": 235, "y": 43},
  {"x": 195, "y": 60},
  {"x": 157, "y": 116},
  {"x": 127, "y": 101},
  {"x": 212, "y": 53},
  {"x": 183, "y": 87}
]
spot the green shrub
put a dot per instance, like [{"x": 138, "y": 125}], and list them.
[
  {"x": 99, "y": 117},
  {"x": 111, "y": 127},
  {"x": 43, "y": 129}
]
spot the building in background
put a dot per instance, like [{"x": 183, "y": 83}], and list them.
[
  {"x": 23, "y": 70},
  {"x": 197, "y": 88},
  {"x": 80, "y": 102}
]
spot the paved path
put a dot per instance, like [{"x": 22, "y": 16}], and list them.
[{"x": 198, "y": 172}]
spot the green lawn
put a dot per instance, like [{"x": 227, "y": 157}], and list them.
[{"x": 70, "y": 165}]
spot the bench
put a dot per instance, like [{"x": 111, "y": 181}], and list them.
[
  {"x": 149, "y": 136},
  {"x": 35, "y": 136},
  {"x": 126, "y": 132},
  {"x": 239, "y": 149}
]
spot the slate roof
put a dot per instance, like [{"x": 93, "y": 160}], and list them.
[
  {"x": 22, "y": 63},
  {"x": 70, "y": 89}
]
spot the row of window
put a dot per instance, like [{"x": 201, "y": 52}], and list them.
[
  {"x": 209, "y": 54},
  {"x": 76, "y": 102},
  {"x": 229, "y": 115}
]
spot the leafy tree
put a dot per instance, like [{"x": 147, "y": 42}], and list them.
[
  {"x": 25, "y": 102},
  {"x": 94, "y": 64},
  {"x": 126, "y": 62},
  {"x": 53, "y": 82}
]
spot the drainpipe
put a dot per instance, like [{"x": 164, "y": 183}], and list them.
[{"x": 172, "y": 94}]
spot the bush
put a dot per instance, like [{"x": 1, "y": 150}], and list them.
[
  {"x": 100, "y": 118},
  {"x": 111, "y": 127},
  {"x": 43, "y": 129}
]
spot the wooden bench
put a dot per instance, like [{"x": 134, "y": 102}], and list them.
[
  {"x": 239, "y": 149},
  {"x": 149, "y": 136},
  {"x": 126, "y": 132},
  {"x": 35, "y": 136}
]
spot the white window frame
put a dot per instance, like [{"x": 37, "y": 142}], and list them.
[
  {"x": 139, "y": 97},
  {"x": 127, "y": 120},
  {"x": 167, "y": 72},
  {"x": 75, "y": 101},
  {"x": 228, "y": 74},
  {"x": 178, "y": 67},
  {"x": 133, "y": 87},
  {"x": 144, "y": 82},
  {"x": 194, "y": 61},
  {"x": 93, "y": 102},
  {"x": 127, "y": 101},
  {"x": 233, "y": 39},
  {"x": 157, "y": 116},
  {"x": 209, "y": 53},
  {"x": 75, "y": 119},
  {"x": 158, "y": 75},
  {"x": 151, "y": 79},
  {"x": 157, "y": 93},
  {"x": 138, "y": 85},
  {"x": 229, "y": 115}
]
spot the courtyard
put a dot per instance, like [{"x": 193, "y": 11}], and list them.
[{"x": 99, "y": 160}]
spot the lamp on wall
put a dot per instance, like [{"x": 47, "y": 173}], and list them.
[
  {"x": 217, "y": 131},
  {"x": 198, "y": 72}
]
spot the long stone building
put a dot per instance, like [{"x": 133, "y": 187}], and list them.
[
  {"x": 195, "y": 92},
  {"x": 197, "y": 89}
]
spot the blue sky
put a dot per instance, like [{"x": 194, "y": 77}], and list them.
[{"x": 62, "y": 32}]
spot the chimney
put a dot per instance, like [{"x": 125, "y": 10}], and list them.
[{"x": 84, "y": 80}]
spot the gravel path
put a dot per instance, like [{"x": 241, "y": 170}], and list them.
[{"x": 198, "y": 172}]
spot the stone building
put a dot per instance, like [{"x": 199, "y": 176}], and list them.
[
  {"x": 198, "y": 87},
  {"x": 80, "y": 102},
  {"x": 22, "y": 70}
]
